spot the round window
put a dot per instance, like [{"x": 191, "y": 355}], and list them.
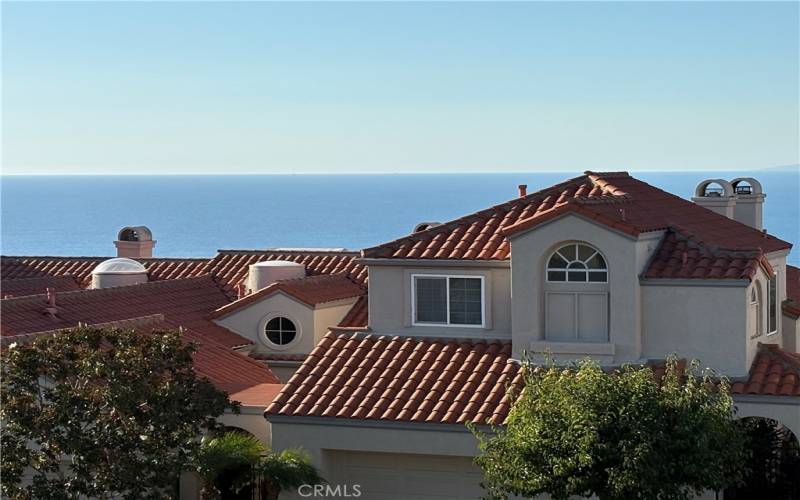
[{"x": 280, "y": 330}]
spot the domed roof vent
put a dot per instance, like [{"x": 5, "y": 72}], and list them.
[{"x": 118, "y": 272}]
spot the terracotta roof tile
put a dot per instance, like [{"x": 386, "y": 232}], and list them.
[
  {"x": 185, "y": 302},
  {"x": 35, "y": 286},
  {"x": 614, "y": 199},
  {"x": 358, "y": 315},
  {"x": 311, "y": 290},
  {"x": 681, "y": 257},
  {"x": 13, "y": 268},
  {"x": 230, "y": 267},
  {"x": 774, "y": 372},
  {"x": 362, "y": 376}
]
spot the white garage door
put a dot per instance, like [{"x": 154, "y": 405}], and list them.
[{"x": 385, "y": 476}]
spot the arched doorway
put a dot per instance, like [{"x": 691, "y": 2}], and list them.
[
  {"x": 235, "y": 481},
  {"x": 773, "y": 464}
]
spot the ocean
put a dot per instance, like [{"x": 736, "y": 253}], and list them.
[{"x": 193, "y": 216}]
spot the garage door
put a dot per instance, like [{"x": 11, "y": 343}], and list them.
[{"x": 385, "y": 476}]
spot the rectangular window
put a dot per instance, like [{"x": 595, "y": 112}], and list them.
[
  {"x": 772, "y": 305},
  {"x": 448, "y": 300}
]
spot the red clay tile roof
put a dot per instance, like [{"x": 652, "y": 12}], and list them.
[
  {"x": 185, "y": 302},
  {"x": 241, "y": 377},
  {"x": 614, "y": 199},
  {"x": 257, "y": 395},
  {"x": 230, "y": 267},
  {"x": 679, "y": 257},
  {"x": 276, "y": 356},
  {"x": 311, "y": 290},
  {"x": 791, "y": 307},
  {"x": 358, "y": 315},
  {"x": 361, "y": 376},
  {"x": 36, "y": 286},
  {"x": 774, "y": 372},
  {"x": 14, "y": 268}
]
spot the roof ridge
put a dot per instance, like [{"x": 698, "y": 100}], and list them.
[
  {"x": 117, "y": 289},
  {"x": 310, "y": 251},
  {"x": 96, "y": 257},
  {"x": 364, "y": 334},
  {"x": 454, "y": 222}
]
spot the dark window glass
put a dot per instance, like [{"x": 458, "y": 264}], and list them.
[
  {"x": 431, "y": 306},
  {"x": 465, "y": 301},
  {"x": 280, "y": 330},
  {"x": 575, "y": 259},
  {"x": 598, "y": 276},
  {"x": 576, "y": 276},
  {"x": 556, "y": 276},
  {"x": 585, "y": 252},
  {"x": 772, "y": 303},
  {"x": 596, "y": 262},
  {"x": 557, "y": 262}
]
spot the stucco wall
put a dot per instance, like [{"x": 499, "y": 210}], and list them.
[
  {"x": 704, "y": 322},
  {"x": 390, "y": 301},
  {"x": 791, "y": 333},
  {"x": 625, "y": 257}
]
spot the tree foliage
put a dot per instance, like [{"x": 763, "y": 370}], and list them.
[
  {"x": 624, "y": 435},
  {"x": 104, "y": 413}
]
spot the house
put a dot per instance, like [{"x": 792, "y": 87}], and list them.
[
  {"x": 374, "y": 360},
  {"x": 601, "y": 265}
]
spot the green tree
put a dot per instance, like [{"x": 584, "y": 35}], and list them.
[
  {"x": 102, "y": 413},
  {"x": 287, "y": 470},
  {"x": 624, "y": 435},
  {"x": 229, "y": 463}
]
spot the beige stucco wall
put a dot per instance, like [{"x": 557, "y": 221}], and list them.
[
  {"x": 703, "y": 322},
  {"x": 784, "y": 409},
  {"x": 791, "y": 333},
  {"x": 625, "y": 256},
  {"x": 390, "y": 301},
  {"x": 312, "y": 323}
]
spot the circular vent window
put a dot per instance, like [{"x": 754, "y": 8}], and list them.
[{"x": 280, "y": 330}]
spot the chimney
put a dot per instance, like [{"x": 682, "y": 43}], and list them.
[
  {"x": 523, "y": 190},
  {"x": 135, "y": 242},
  {"x": 51, "y": 308},
  {"x": 263, "y": 274},
  {"x": 749, "y": 198},
  {"x": 716, "y": 195}
]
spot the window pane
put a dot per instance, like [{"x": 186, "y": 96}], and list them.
[
  {"x": 597, "y": 262},
  {"x": 465, "y": 301},
  {"x": 576, "y": 276},
  {"x": 274, "y": 324},
  {"x": 576, "y": 265},
  {"x": 584, "y": 252},
  {"x": 557, "y": 262},
  {"x": 568, "y": 252},
  {"x": 287, "y": 325},
  {"x": 597, "y": 276},
  {"x": 431, "y": 300},
  {"x": 771, "y": 302},
  {"x": 274, "y": 336},
  {"x": 557, "y": 276}
]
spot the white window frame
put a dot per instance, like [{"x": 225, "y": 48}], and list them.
[
  {"x": 262, "y": 331},
  {"x": 547, "y": 267},
  {"x": 447, "y": 277},
  {"x": 772, "y": 308}
]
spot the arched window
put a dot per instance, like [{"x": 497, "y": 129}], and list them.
[
  {"x": 577, "y": 263},
  {"x": 576, "y": 291},
  {"x": 280, "y": 330}
]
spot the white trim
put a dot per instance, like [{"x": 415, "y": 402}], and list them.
[
  {"x": 447, "y": 277},
  {"x": 262, "y": 334}
]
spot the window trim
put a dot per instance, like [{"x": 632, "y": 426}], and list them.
[
  {"x": 447, "y": 277},
  {"x": 262, "y": 331},
  {"x": 547, "y": 267}
]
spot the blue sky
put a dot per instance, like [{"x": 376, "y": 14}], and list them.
[{"x": 105, "y": 87}]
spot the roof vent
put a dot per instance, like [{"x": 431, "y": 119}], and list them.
[
  {"x": 263, "y": 274},
  {"x": 422, "y": 226},
  {"x": 119, "y": 271},
  {"x": 135, "y": 242}
]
